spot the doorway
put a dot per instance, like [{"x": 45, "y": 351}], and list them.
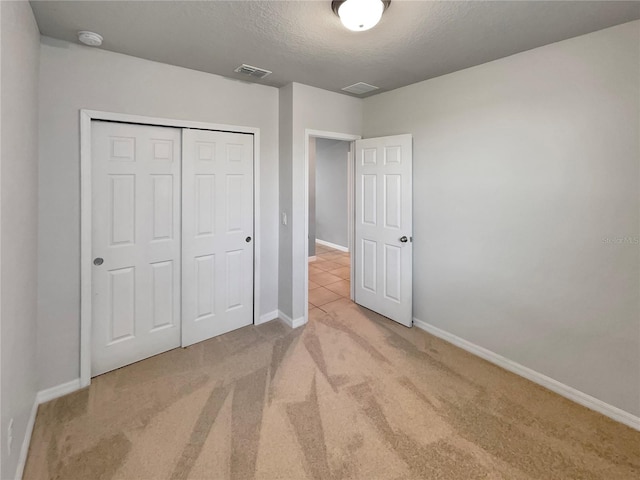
[
  {"x": 314, "y": 134},
  {"x": 329, "y": 220},
  {"x": 380, "y": 229}
]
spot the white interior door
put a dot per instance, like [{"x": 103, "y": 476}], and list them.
[
  {"x": 384, "y": 226},
  {"x": 217, "y": 232},
  {"x": 135, "y": 243}
]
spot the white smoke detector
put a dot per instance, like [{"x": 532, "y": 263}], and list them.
[{"x": 90, "y": 38}]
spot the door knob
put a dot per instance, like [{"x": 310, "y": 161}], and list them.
[
  {"x": 404, "y": 239},
  {"x": 98, "y": 261},
  {"x": 248, "y": 239}
]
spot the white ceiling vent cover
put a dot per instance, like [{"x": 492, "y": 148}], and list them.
[
  {"x": 360, "y": 88},
  {"x": 253, "y": 71}
]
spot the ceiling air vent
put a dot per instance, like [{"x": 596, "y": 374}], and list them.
[
  {"x": 360, "y": 88},
  {"x": 252, "y": 71}
]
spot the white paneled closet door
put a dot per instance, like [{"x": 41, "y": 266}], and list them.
[
  {"x": 384, "y": 226},
  {"x": 135, "y": 243},
  {"x": 217, "y": 232}
]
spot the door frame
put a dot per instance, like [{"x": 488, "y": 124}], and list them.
[
  {"x": 86, "y": 294},
  {"x": 308, "y": 133}
]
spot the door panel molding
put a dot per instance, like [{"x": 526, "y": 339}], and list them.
[
  {"x": 120, "y": 149},
  {"x": 384, "y": 226},
  {"x": 136, "y": 290},
  {"x": 215, "y": 265}
]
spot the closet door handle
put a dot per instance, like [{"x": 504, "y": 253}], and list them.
[{"x": 248, "y": 239}]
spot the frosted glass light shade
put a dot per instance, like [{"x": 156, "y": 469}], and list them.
[{"x": 360, "y": 15}]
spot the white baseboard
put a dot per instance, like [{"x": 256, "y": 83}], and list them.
[
  {"x": 566, "y": 391},
  {"x": 58, "y": 391},
  {"x": 42, "y": 396},
  {"x": 267, "y": 317},
  {"x": 298, "y": 322},
  {"x": 312, "y": 259},
  {"x": 332, "y": 245},
  {"x": 24, "y": 449}
]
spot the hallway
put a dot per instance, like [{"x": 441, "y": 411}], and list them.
[{"x": 329, "y": 278}]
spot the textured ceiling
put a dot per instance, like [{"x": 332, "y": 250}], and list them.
[{"x": 303, "y": 41}]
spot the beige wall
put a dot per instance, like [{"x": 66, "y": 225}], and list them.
[
  {"x": 285, "y": 256},
  {"x": 526, "y": 174},
  {"x": 73, "y": 77},
  {"x": 19, "y": 224},
  {"x": 306, "y": 108}
]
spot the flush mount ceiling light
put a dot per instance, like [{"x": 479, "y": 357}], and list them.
[
  {"x": 90, "y": 38},
  {"x": 359, "y": 15}
]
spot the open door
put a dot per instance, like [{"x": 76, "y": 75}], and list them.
[{"x": 384, "y": 226}]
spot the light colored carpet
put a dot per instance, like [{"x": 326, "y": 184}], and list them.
[{"x": 349, "y": 396}]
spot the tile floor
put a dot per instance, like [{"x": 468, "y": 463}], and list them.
[{"x": 329, "y": 278}]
